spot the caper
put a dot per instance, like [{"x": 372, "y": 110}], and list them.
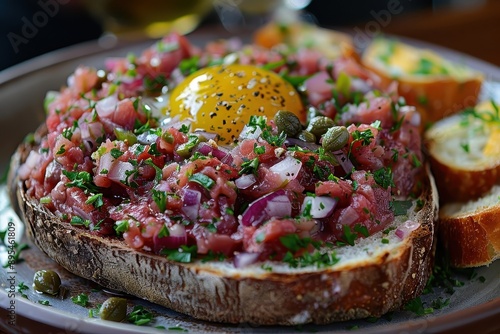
[
  {"x": 113, "y": 309},
  {"x": 307, "y": 136},
  {"x": 287, "y": 122},
  {"x": 335, "y": 138},
  {"x": 47, "y": 281},
  {"x": 319, "y": 125}
]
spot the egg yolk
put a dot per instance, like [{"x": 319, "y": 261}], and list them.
[{"x": 221, "y": 99}]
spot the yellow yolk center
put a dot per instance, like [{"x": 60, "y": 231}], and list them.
[{"x": 221, "y": 99}]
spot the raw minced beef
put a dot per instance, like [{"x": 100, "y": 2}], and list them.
[{"x": 111, "y": 164}]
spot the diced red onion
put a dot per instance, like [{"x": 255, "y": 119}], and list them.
[
  {"x": 176, "y": 238},
  {"x": 119, "y": 170},
  {"x": 105, "y": 162},
  {"x": 412, "y": 112},
  {"x": 404, "y": 230},
  {"x": 276, "y": 204},
  {"x": 287, "y": 169},
  {"x": 250, "y": 132},
  {"x": 217, "y": 152},
  {"x": 191, "y": 199},
  {"x": 106, "y": 106},
  {"x": 318, "y": 88},
  {"x": 245, "y": 181},
  {"x": 302, "y": 144},
  {"x": 321, "y": 206},
  {"x": 147, "y": 138},
  {"x": 360, "y": 85},
  {"x": 244, "y": 259},
  {"x": 344, "y": 161},
  {"x": 348, "y": 216}
]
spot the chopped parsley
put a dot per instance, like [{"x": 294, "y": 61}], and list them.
[
  {"x": 349, "y": 236},
  {"x": 164, "y": 232},
  {"x": 160, "y": 198},
  {"x": 400, "y": 207},
  {"x": 275, "y": 140},
  {"x": 121, "y": 226},
  {"x": 417, "y": 306},
  {"x": 183, "y": 254},
  {"x": 295, "y": 243},
  {"x": 203, "y": 180},
  {"x": 82, "y": 180},
  {"x": 383, "y": 177},
  {"x": 189, "y": 65},
  {"x": 249, "y": 166},
  {"x": 140, "y": 316},
  {"x": 364, "y": 137},
  {"x": 44, "y": 302},
  {"x": 361, "y": 229},
  {"x": 321, "y": 260},
  {"x": 20, "y": 288},
  {"x": 116, "y": 153},
  {"x": 61, "y": 150},
  {"x": 96, "y": 200},
  {"x": 79, "y": 221},
  {"x": 82, "y": 299}
]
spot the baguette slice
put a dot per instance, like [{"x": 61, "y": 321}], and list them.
[
  {"x": 435, "y": 86},
  {"x": 470, "y": 232},
  {"x": 331, "y": 43},
  {"x": 372, "y": 278},
  {"x": 465, "y": 153}
]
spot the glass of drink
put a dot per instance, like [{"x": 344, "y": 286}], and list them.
[{"x": 153, "y": 18}]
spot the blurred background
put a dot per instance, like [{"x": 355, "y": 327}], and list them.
[{"x": 34, "y": 27}]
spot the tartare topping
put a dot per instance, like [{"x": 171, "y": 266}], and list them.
[{"x": 272, "y": 157}]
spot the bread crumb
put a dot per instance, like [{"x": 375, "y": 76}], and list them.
[{"x": 300, "y": 318}]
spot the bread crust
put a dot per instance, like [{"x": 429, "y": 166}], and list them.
[
  {"x": 456, "y": 184},
  {"x": 473, "y": 239},
  {"x": 221, "y": 293}
]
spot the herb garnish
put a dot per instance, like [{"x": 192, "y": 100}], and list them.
[
  {"x": 295, "y": 243},
  {"x": 184, "y": 254},
  {"x": 400, "y": 207},
  {"x": 140, "y": 316},
  {"x": 249, "y": 166},
  {"x": 317, "y": 258},
  {"x": 82, "y": 299},
  {"x": 383, "y": 177},
  {"x": 160, "y": 198},
  {"x": 203, "y": 180}
]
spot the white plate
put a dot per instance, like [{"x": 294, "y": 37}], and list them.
[{"x": 474, "y": 306}]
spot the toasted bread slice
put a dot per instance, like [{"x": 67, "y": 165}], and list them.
[
  {"x": 376, "y": 275},
  {"x": 464, "y": 153},
  {"x": 297, "y": 34},
  {"x": 470, "y": 232},
  {"x": 437, "y": 87}
]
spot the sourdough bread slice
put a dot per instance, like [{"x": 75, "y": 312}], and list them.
[
  {"x": 470, "y": 232},
  {"x": 376, "y": 275}
]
